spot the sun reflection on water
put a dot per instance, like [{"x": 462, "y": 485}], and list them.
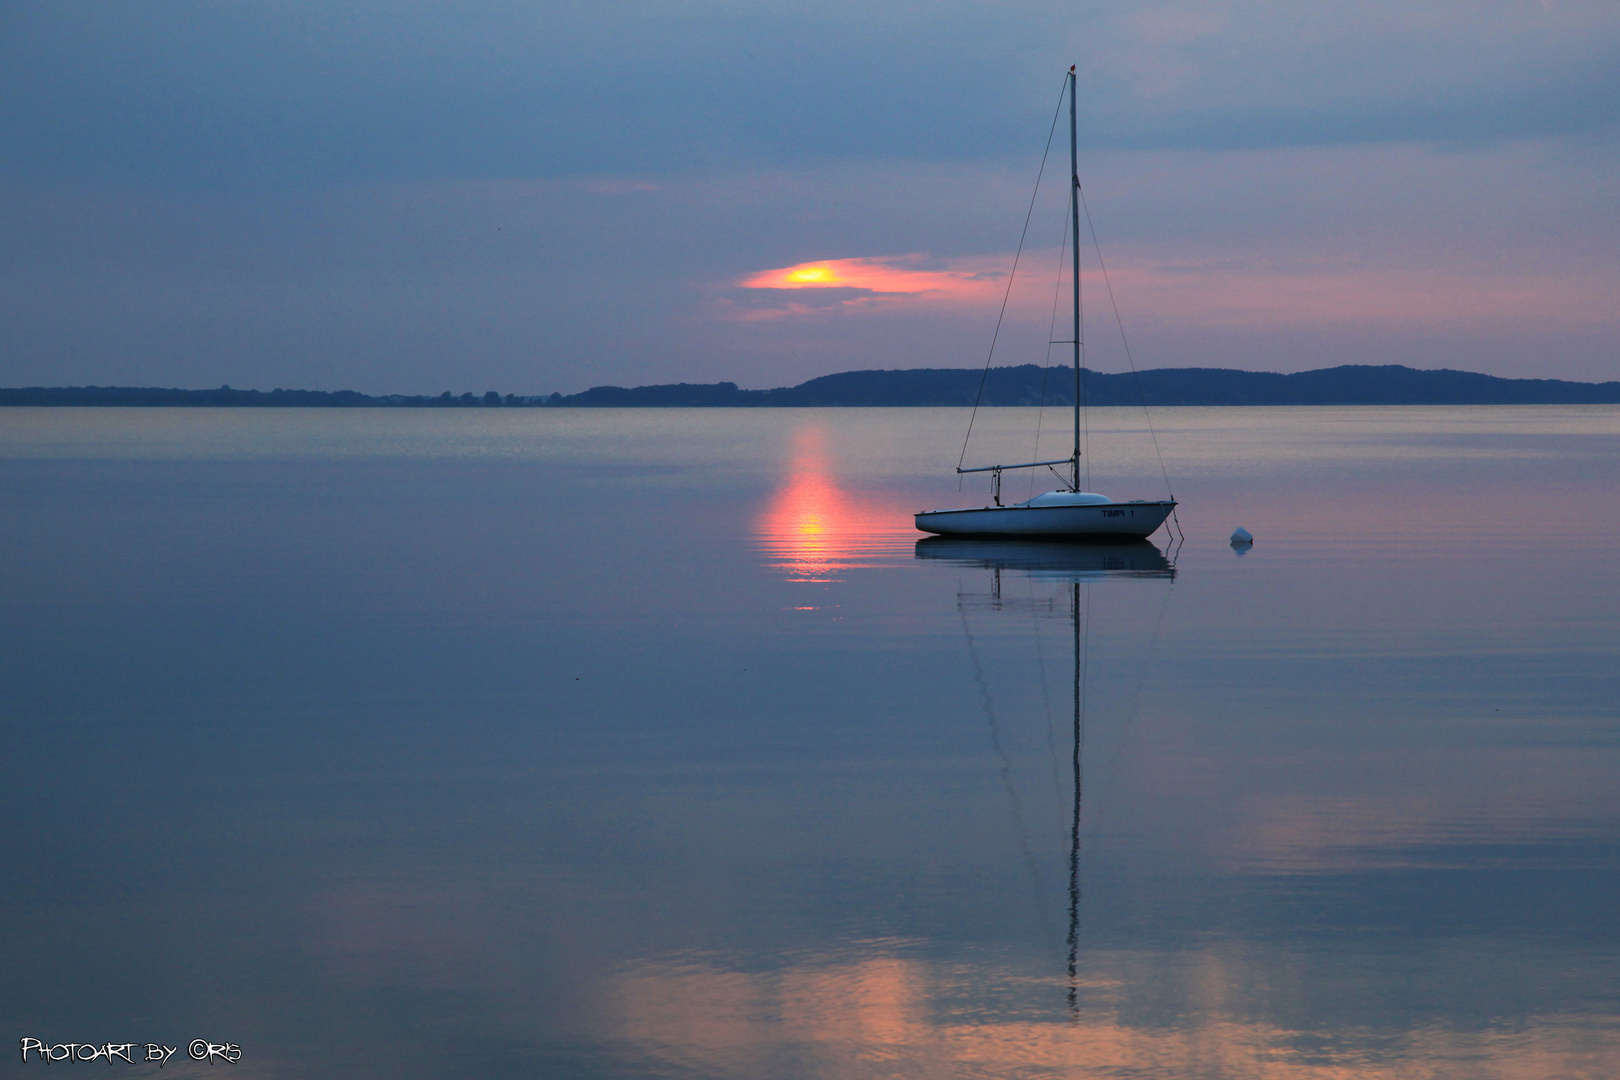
[{"x": 813, "y": 529}]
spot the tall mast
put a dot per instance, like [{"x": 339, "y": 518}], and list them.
[{"x": 1074, "y": 219}]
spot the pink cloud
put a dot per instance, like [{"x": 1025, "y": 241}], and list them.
[
  {"x": 1230, "y": 291},
  {"x": 884, "y": 277},
  {"x": 1323, "y": 293}
]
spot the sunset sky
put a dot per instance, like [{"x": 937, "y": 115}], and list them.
[{"x": 536, "y": 196}]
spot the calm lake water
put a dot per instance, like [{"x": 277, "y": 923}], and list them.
[{"x": 649, "y": 743}]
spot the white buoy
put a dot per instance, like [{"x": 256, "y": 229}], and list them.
[{"x": 1242, "y": 536}]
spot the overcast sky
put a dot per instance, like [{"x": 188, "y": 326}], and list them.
[{"x": 539, "y": 196}]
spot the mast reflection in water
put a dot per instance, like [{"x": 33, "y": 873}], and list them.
[{"x": 1076, "y": 566}]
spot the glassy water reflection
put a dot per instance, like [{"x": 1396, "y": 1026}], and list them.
[
  {"x": 813, "y": 529},
  {"x": 654, "y": 743}
]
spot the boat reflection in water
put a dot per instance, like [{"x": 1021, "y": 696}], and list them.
[
  {"x": 1076, "y": 566},
  {"x": 1046, "y": 560}
]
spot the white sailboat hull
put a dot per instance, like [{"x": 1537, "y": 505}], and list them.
[{"x": 1105, "y": 521}]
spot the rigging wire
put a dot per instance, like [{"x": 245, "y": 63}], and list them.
[
  {"x": 1135, "y": 375},
  {"x": 1046, "y": 695},
  {"x": 1083, "y": 375},
  {"x": 1007, "y": 295},
  {"x": 1132, "y": 711},
  {"x": 1014, "y": 803},
  {"x": 1046, "y": 369}
]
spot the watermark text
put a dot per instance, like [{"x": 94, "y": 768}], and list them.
[{"x": 130, "y": 1052}]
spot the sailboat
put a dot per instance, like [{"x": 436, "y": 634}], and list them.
[{"x": 1067, "y": 512}]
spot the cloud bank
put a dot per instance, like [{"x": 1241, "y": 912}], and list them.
[{"x": 483, "y": 194}]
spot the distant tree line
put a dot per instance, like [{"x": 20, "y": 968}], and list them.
[
  {"x": 225, "y": 395},
  {"x": 1390, "y": 384}
]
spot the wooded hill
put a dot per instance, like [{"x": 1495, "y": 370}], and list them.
[{"x": 1031, "y": 385}]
